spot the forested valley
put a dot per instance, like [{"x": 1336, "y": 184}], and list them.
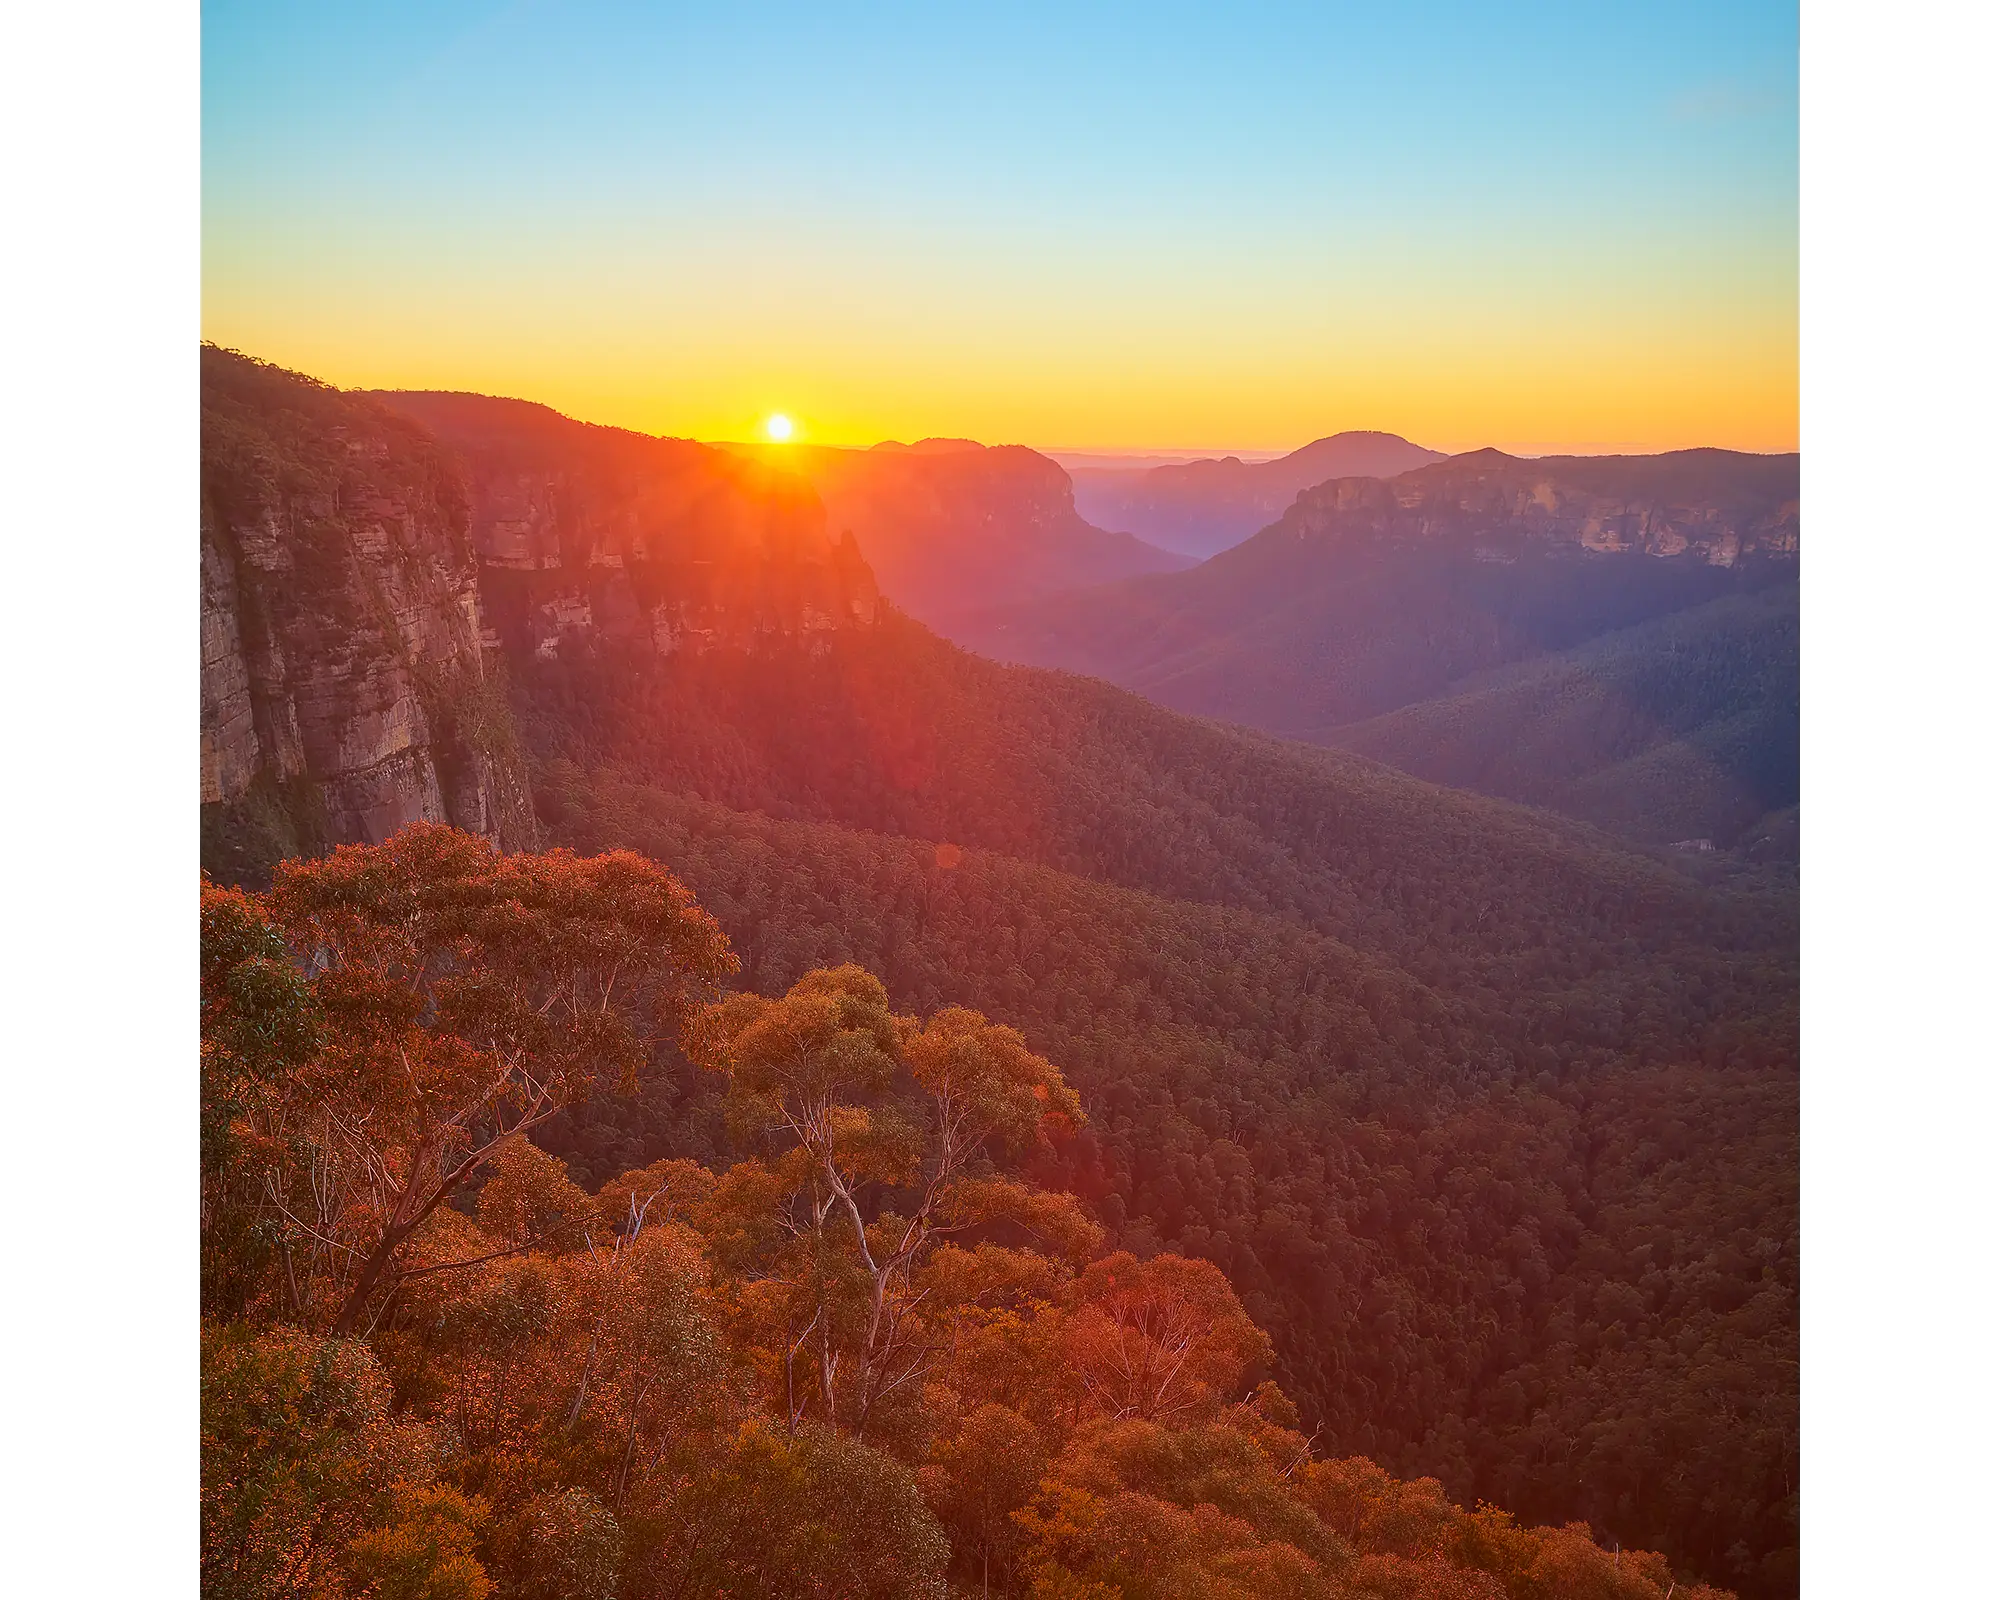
[
  {"x": 859, "y": 1351},
  {"x": 1611, "y": 636},
  {"x": 1686, "y": 726},
  {"x": 1354, "y": 1120},
  {"x": 1434, "y": 1122}
]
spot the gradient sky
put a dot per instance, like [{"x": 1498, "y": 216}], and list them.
[{"x": 1153, "y": 226}]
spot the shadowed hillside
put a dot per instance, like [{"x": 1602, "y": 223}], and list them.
[
  {"x": 1684, "y": 727},
  {"x": 1368, "y": 597}
]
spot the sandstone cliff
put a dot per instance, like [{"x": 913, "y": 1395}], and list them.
[
  {"x": 660, "y": 545},
  {"x": 1370, "y": 594},
  {"x": 344, "y": 690},
  {"x": 950, "y": 526},
  {"x": 372, "y": 568},
  {"x": 1717, "y": 506}
]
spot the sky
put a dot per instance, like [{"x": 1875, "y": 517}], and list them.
[{"x": 1081, "y": 227}]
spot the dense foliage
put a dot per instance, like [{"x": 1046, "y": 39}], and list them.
[
  {"x": 1684, "y": 727},
  {"x": 862, "y": 1357},
  {"x": 1548, "y": 1257},
  {"x": 1358, "y": 1040}
]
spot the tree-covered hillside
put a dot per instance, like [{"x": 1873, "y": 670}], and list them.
[
  {"x": 861, "y": 1356},
  {"x": 892, "y": 730},
  {"x": 1683, "y": 727},
  {"x": 1549, "y": 1257}
]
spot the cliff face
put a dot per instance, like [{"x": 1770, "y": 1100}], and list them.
[
  {"x": 660, "y": 545},
  {"x": 1370, "y": 594},
  {"x": 950, "y": 526},
  {"x": 344, "y": 690},
  {"x": 370, "y": 564},
  {"x": 1715, "y": 506}
]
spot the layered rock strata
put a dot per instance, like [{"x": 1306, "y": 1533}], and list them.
[
  {"x": 659, "y": 545},
  {"x": 1717, "y": 506},
  {"x": 344, "y": 690}
]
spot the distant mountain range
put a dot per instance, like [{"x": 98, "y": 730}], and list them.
[
  {"x": 1370, "y": 596},
  {"x": 1614, "y": 637},
  {"x": 1201, "y": 507}
]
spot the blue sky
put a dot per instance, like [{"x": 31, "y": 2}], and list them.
[{"x": 1090, "y": 225}]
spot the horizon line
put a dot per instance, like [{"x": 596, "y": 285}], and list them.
[{"x": 1156, "y": 455}]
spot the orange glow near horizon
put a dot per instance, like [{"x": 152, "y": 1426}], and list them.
[
  {"x": 1543, "y": 390},
  {"x": 1034, "y": 226},
  {"x": 1451, "y": 355}
]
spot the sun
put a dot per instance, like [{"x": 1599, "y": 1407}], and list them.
[{"x": 777, "y": 427}]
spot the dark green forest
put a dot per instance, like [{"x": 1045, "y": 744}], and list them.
[
  {"x": 1491, "y": 1121},
  {"x": 1685, "y": 726},
  {"x": 1554, "y": 1276}
]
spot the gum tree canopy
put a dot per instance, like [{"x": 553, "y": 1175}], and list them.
[{"x": 459, "y": 997}]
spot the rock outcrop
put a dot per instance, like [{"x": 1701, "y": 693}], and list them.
[
  {"x": 950, "y": 526},
  {"x": 1718, "y": 506},
  {"x": 373, "y": 567},
  {"x": 661, "y": 545},
  {"x": 344, "y": 688},
  {"x": 1370, "y": 594}
]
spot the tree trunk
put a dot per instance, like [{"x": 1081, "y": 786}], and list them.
[{"x": 371, "y": 1275}]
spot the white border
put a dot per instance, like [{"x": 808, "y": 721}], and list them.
[
  {"x": 99, "y": 125},
  {"x": 1902, "y": 1073}
]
